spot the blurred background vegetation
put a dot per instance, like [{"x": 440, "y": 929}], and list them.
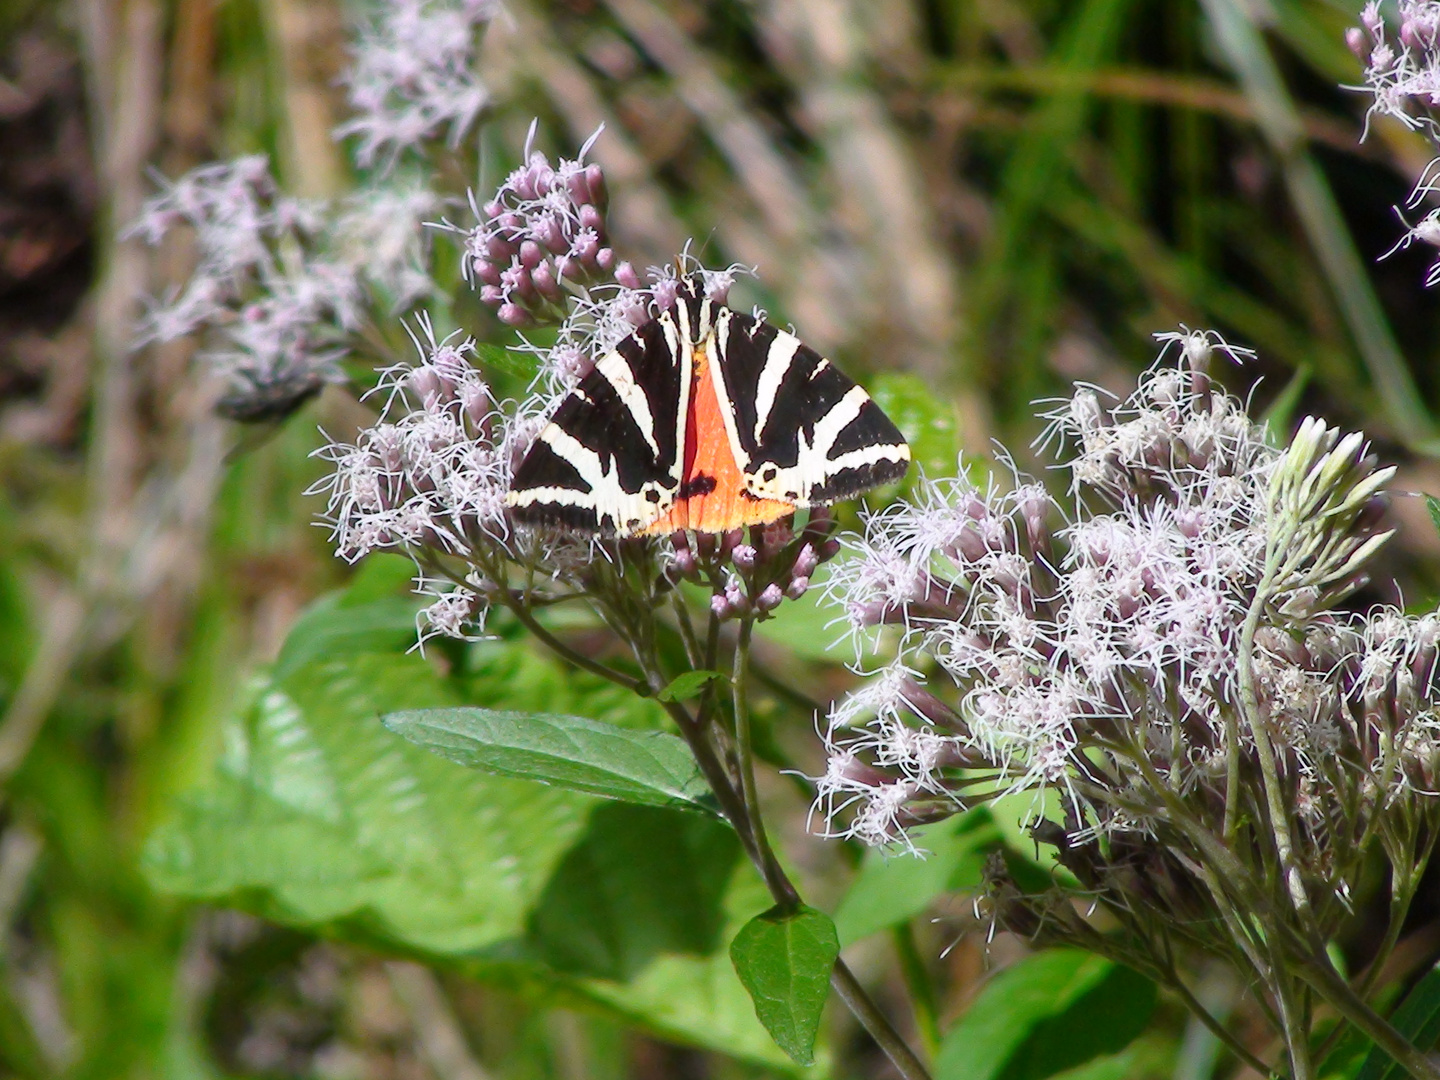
[{"x": 991, "y": 197}]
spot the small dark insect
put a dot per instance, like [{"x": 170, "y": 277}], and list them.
[{"x": 268, "y": 399}]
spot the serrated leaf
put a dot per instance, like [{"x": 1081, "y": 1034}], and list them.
[
  {"x": 893, "y": 888},
  {"x": 784, "y": 960},
  {"x": 1049, "y": 1013},
  {"x": 1417, "y": 1018},
  {"x": 647, "y": 767},
  {"x": 687, "y": 686}
]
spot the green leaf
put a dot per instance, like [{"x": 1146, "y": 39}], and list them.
[
  {"x": 1417, "y": 1018},
  {"x": 368, "y": 616},
  {"x": 1049, "y": 1013},
  {"x": 318, "y": 818},
  {"x": 687, "y": 686},
  {"x": 648, "y": 767},
  {"x": 926, "y": 419},
  {"x": 784, "y": 960},
  {"x": 1433, "y": 505},
  {"x": 640, "y": 883},
  {"x": 325, "y": 817},
  {"x": 894, "y": 888},
  {"x": 497, "y": 359}
]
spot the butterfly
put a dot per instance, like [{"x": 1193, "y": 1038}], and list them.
[{"x": 704, "y": 419}]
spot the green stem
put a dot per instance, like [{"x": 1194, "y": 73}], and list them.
[
  {"x": 1264, "y": 752},
  {"x": 565, "y": 652},
  {"x": 1293, "y": 1022},
  {"x": 1334, "y": 990},
  {"x": 745, "y": 758},
  {"x": 1216, "y": 1028},
  {"x": 733, "y": 805},
  {"x": 849, "y": 990}
]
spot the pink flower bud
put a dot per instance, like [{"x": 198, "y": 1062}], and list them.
[
  {"x": 720, "y": 606},
  {"x": 665, "y": 292},
  {"x": 806, "y": 561},
  {"x": 595, "y": 182},
  {"x": 531, "y": 254},
  {"x": 797, "y": 588},
  {"x": 769, "y": 598},
  {"x": 584, "y": 246},
  {"x": 425, "y": 382},
  {"x": 625, "y": 274},
  {"x": 743, "y": 557},
  {"x": 592, "y": 219},
  {"x": 549, "y": 232},
  {"x": 1355, "y": 39},
  {"x": 491, "y": 294},
  {"x": 512, "y": 315},
  {"x": 605, "y": 258},
  {"x": 686, "y": 564},
  {"x": 497, "y": 249},
  {"x": 545, "y": 284},
  {"x": 486, "y": 272}
]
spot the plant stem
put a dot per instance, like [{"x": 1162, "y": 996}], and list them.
[
  {"x": 1219, "y": 1030},
  {"x": 565, "y": 652},
  {"x": 1293, "y": 1020},
  {"x": 1326, "y": 982},
  {"x": 745, "y": 754},
  {"x": 875, "y": 1022},
  {"x": 1250, "y": 705},
  {"x": 782, "y": 890}
]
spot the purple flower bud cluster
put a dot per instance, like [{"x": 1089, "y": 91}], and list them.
[
  {"x": 412, "y": 74},
  {"x": 752, "y": 575},
  {"x": 540, "y": 255},
  {"x": 539, "y": 237},
  {"x": 1049, "y": 644}
]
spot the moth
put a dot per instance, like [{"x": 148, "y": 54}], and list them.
[{"x": 704, "y": 420}]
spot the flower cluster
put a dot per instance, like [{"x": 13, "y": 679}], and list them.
[
  {"x": 280, "y": 283},
  {"x": 545, "y": 225},
  {"x": 1402, "y": 75},
  {"x": 413, "y": 75},
  {"x": 431, "y": 474},
  {"x": 1146, "y": 649},
  {"x": 1402, "y": 72}
]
